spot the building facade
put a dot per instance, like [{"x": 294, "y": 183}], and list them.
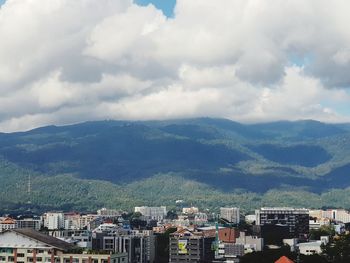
[
  {"x": 28, "y": 245},
  {"x": 54, "y": 221},
  {"x": 186, "y": 246},
  {"x": 152, "y": 213},
  {"x": 231, "y": 214},
  {"x": 297, "y": 220},
  {"x": 139, "y": 245}
]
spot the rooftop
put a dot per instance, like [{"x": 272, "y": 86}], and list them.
[
  {"x": 49, "y": 240},
  {"x": 284, "y": 259}
]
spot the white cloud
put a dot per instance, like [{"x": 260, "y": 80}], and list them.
[{"x": 67, "y": 61}]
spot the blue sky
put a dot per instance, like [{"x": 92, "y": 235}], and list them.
[
  {"x": 167, "y": 6},
  {"x": 229, "y": 61}
]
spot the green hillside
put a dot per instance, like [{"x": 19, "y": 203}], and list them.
[{"x": 208, "y": 162}]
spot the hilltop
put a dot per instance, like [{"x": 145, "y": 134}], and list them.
[{"x": 119, "y": 162}]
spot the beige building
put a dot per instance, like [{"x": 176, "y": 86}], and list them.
[
  {"x": 7, "y": 223},
  {"x": 28, "y": 245}
]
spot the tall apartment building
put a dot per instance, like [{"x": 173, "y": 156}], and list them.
[
  {"x": 72, "y": 221},
  {"x": 152, "y": 213},
  {"x": 187, "y": 246},
  {"x": 138, "y": 244},
  {"x": 231, "y": 214},
  {"x": 296, "y": 220},
  {"x": 53, "y": 221}
]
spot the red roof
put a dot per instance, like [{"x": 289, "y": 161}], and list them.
[
  {"x": 8, "y": 221},
  {"x": 284, "y": 259}
]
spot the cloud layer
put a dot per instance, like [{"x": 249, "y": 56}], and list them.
[{"x": 64, "y": 61}]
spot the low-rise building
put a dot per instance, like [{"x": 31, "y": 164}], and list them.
[
  {"x": 32, "y": 222},
  {"x": 251, "y": 243},
  {"x": 341, "y": 215},
  {"x": 7, "y": 223},
  {"x": 312, "y": 247},
  {"x": 108, "y": 212},
  {"x": 190, "y": 210},
  {"x": 230, "y": 252},
  {"x": 28, "y": 245},
  {"x": 225, "y": 234},
  {"x": 152, "y": 213}
]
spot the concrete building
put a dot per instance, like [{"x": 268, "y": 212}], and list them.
[
  {"x": 81, "y": 238},
  {"x": 53, "y": 221},
  {"x": 297, "y": 220},
  {"x": 317, "y": 223},
  {"x": 332, "y": 214},
  {"x": 190, "y": 246},
  {"x": 230, "y": 252},
  {"x": 190, "y": 210},
  {"x": 337, "y": 215},
  {"x": 138, "y": 244},
  {"x": 72, "y": 221},
  {"x": 108, "y": 212},
  {"x": 28, "y": 245},
  {"x": 251, "y": 243},
  {"x": 200, "y": 218},
  {"x": 291, "y": 242},
  {"x": 7, "y": 223},
  {"x": 85, "y": 220},
  {"x": 33, "y": 223},
  {"x": 313, "y": 247},
  {"x": 152, "y": 213},
  {"x": 225, "y": 234},
  {"x": 231, "y": 214}
]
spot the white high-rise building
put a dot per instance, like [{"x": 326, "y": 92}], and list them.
[
  {"x": 231, "y": 214},
  {"x": 156, "y": 213},
  {"x": 54, "y": 221}
]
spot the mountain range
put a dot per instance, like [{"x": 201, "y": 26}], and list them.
[{"x": 205, "y": 161}]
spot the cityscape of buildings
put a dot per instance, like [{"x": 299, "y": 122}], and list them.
[{"x": 153, "y": 234}]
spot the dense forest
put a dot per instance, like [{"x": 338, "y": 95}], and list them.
[{"x": 207, "y": 162}]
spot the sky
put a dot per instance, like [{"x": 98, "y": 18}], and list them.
[{"x": 66, "y": 61}]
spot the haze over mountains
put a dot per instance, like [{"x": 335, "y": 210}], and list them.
[{"x": 163, "y": 160}]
